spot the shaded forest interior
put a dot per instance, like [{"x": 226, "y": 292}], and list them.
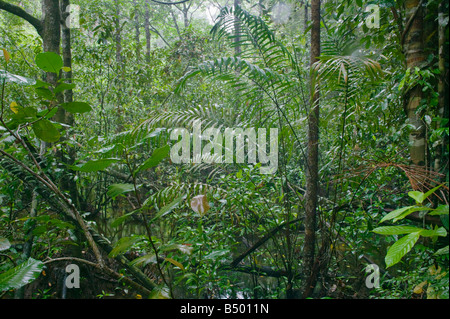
[{"x": 224, "y": 149}]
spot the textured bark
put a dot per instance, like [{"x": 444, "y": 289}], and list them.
[
  {"x": 414, "y": 53},
  {"x": 312, "y": 175}
]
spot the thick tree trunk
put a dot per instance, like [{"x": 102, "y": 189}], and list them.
[
  {"x": 51, "y": 34},
  {"x": 413, "y": 48},
  {"x": 312, "y": 175}
]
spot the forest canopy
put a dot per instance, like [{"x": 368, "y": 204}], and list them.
[{"x": 218, "y": 149}]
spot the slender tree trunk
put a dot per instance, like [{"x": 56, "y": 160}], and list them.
[
  {"x": 138, "y": 31},
  {"x": 67, "y": 181},
  {"x": 147, "y": 31},
  {"x": 305, "y": 18},
  {"x": 413, "y": 48},
  {"x": 185, "y": 15},
  {"x": 312, "y": 175},
  {"x": 442, "y": 89},
  {"x": 119, "y": 61}
]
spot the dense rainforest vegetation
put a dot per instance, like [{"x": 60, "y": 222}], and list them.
[{"x": 224, "y": 149}]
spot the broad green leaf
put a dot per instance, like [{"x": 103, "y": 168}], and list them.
[
  {"x": 77, "y": 107},
  {"x": 46, "y": 131},
  {"x": 95, "y": 165},
  {"x": 419, "y": 197},
  {"x": 14, "y": 78},
  {"x": 400, "y": 248},
  {"x": 174, "y": 262},
  {"x": 64, "y": 86},
  {"x": 158, "y": 155},
  {"x": 396, "y": 230},
  {"x": 21, "y": 275},
  {"x": 168, "y": 208},
  {"x": 44, "y": 93},
  {"x": 395, "y": 213},
  {"x": 26, "y": 114},
  {"x": 124, "y": 244},
  {"x": 47, "y": 113},
  {"x": 116, "y": 189},
  {"x": 442, "y": 251},
  {"x": 49, "y": 62},
  {"x": 440, "y": 210},
  {"x": 434, "y": 232},
  {"x": 403, "y": 212},
  {"x": 4, "y": 244}
]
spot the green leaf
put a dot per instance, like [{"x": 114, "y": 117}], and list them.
[
  {"x": 21, "y": 275},
  {"x": 4, "y": 244},
  {"x": 44, "y": 93},
  {"x": 400, "y": 248},
  {"x": 434, "y": 232},
  {"x": 77, "y": 107},
  {"x": 402, "y": 213},
  {"x": 25, "y": 114},
  {"x": 431, "y": 191},
  {"x": 116, "y": 189},
  {"x": 395, "y": 213},
  {"x": 442, "y": 251},
  {"x": 49, "y": 62},
  {"x": 440, "y": 210},
  {"x": 396, "y": 230},
  {"x": 64, "y": 86},
  {"x": 419, "y": 197},
  {"x": 158, "y": 155},
  {"x": 46, "y": 131},
  {"x": 95, "y": 165},
  {"x": 168, "y": 208},
  {"x": 124, "y": 244}
]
